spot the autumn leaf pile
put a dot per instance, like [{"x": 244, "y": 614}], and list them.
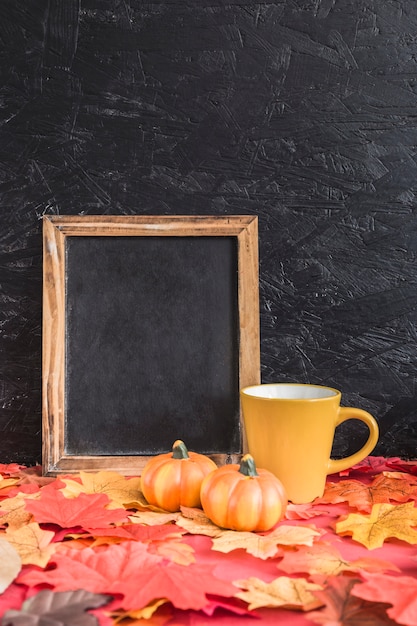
[{"x": 87, "y": 550}]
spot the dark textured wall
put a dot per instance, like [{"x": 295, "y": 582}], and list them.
[{"x": 302, "y": 112}]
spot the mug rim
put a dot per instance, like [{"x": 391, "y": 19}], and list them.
[{"x": 335, "y": 392}]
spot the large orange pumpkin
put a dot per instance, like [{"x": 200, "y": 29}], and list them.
[
  {"x": 241, "y": 497},
  {"x": 174, "y": 479}
]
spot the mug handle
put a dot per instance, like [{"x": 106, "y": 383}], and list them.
[{"x": 347, "y": 413}]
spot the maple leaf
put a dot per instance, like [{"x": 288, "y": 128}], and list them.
[
  {"x": 369, "y": 465},
  {"x": 174, "y": 550},
  {"x": 152, "y": 613},
  {"x": 302, "y": 511},
  {"x": 196, "y": 523},
  {"x": 264, "y": 546},
  {"x": 151, "y": 518},
  {"x": 129, "y": 570},
  {"x": 10, "y": 564},
  {"x": 384, "y": 521},
  {"x": 34, "y": 476},
  {"x": 324, "y": 558},
  {"x": 384, "y": 489},
  {"x": 284, "y": 592},
  {"x": 84, "y": 510},
  {"x": 12, "y": 597},
  {"x": 399, "y": 591},
  {"x": 59, "y": 609},
  {"x": 404, "y": 466},
  {"x": 13, "y": 511},
  {"x": 32, "y": 543},
  {"x": 7, "y": 482},
  {"x": 344, "y": 609},
  {"x": 10, "y": 468},
  {"x": 135, "y": 532},
  {"x": 119, "y": 489},
  {"x": 162, "y": 539}
]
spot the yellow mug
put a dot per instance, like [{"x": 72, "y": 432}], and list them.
[{"x": 290, "y": 430}]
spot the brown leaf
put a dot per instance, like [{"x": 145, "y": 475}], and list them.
[
  {"x": 344, "y": 609},
  {"x": 60, "y": 609},
  {"x": 289, "y": 593}
]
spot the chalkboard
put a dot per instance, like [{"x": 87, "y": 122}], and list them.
[{"x": 150, "y": 329}]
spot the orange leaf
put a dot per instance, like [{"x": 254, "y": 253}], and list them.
[
  {"x": 385, "y": 521},
  {"x": 302, "y": 511},
  {"x": 385, "y": 488},
  {"x": 289, "y": 593},
  {"x": 174, "y": 550},
  {"x": 324, "y": 558}
]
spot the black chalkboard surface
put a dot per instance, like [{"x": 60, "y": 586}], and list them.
[{"x": 152, "y": 320}]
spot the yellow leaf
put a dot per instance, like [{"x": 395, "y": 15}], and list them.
[
  {"x": 141, "y": 616},
  {"x": 13, "y": 511},
  {"x": 264, "y": 546},
  {"x": 284, "y": 592},
  {"x": 32, "y": 543},
  {"x": 384, "y": 521},
  {"x": 119, "y": 489},
  {"x": 198, "y": 524},
  {"x": 7, "y": 482}
]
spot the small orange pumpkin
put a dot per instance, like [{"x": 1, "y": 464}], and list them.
[
  {"x": 240, "y": 497},
  {"x": 172, "y": 480}
]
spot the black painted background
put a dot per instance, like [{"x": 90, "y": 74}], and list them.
[{"x": 303, "y": 112}]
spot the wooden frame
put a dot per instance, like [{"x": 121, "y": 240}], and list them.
[{"x": 56, "y": 231}]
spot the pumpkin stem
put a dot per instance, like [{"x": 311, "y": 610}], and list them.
[
  {"x": 179, "y": 450},
  {"x": 247, "y": 466}
]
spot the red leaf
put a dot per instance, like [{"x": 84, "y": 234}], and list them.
[
  {"x": 10, "y": 468},
  {"x": 400, "y": 591},
  {"x": 12, "y": 598},
  {"x": 370, "y": 465},
  {"x": 135, "y": 532},
  {"x": 130, "y": 570},
  {"x": 84, "y": 510}
]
